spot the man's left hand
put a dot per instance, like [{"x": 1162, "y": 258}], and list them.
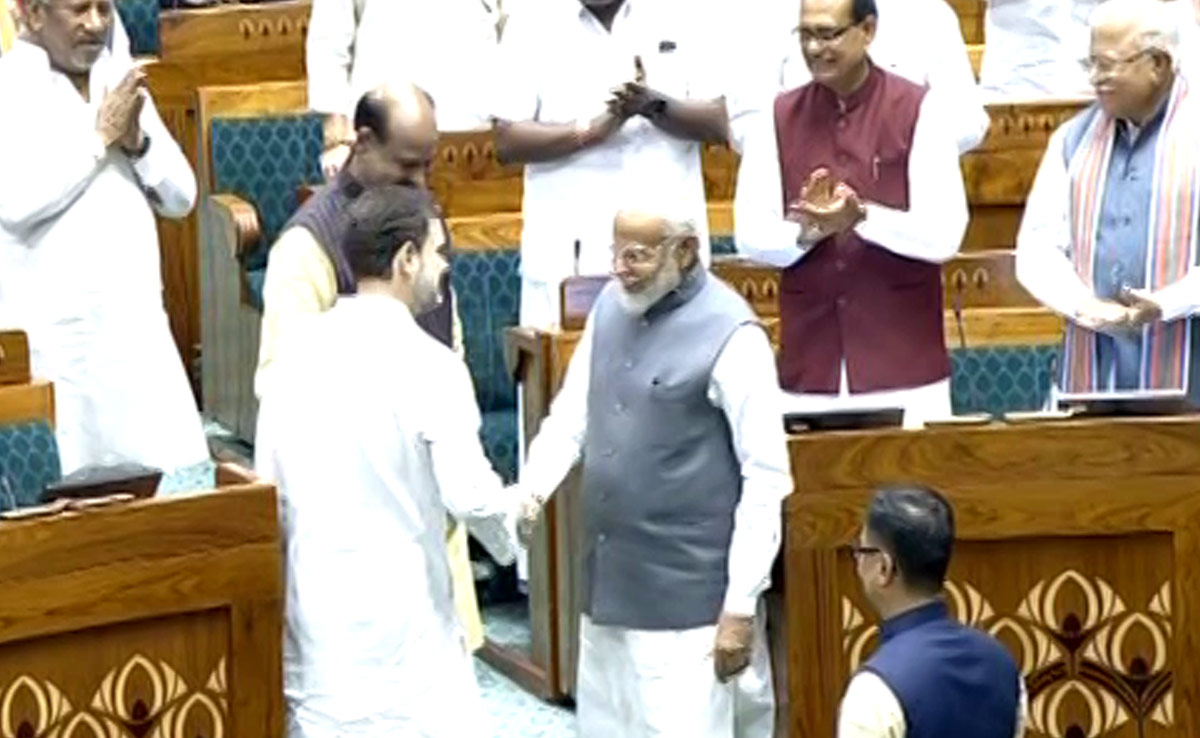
[
  {"x": 635, "y": 98},
  {"x": 731, "y": 651},
  {"x": 839, "y": 214}
]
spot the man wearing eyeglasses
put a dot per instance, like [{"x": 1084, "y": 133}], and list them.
[
  {"x": 854, "y": 190},
  {"x": 671, "y": 401},
  {"x": 938, "y": 61},
  {"x": 1109, "y": 236},
  {"x": 931, "y": 677}
]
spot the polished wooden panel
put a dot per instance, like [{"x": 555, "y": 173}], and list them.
[
  {"x": 1076, "y": 548},
  {"x": 24, "y": 402},
  {"x": 225, "y": 45},
  {"x": 970, "y": 19},
  {"x": 14, "y": 357},
  {"x": 159, "y": 617}
]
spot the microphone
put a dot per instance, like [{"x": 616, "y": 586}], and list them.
[{"x": 578, "y": 247}]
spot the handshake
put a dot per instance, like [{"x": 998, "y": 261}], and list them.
[{"x": 826, "y": 207}]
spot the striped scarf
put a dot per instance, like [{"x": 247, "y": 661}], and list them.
[{"x": 1175, "y": 206}]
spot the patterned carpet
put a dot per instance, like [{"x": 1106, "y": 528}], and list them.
[{"x": 518, "y": 714}]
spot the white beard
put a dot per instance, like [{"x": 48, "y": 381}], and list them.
[{"x": 637, "y": 303}]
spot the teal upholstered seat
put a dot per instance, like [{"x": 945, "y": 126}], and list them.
[
  {"x": 1000, "y": 379},
  {"x": 140, "y": 18},
  {"x": 28, "y": 462},
  {"x": 265, "y": 160},
  {"x": 488, "y": 288}
]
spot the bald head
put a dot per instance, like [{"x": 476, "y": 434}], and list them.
[{"x": 396, "y": 136}]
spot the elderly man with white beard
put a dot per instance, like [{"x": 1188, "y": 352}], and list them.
[{"x": 671, "y": 400}]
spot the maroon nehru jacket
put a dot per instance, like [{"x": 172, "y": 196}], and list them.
[{"x": 849, "y": 298}]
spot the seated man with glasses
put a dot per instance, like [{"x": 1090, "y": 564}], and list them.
[
  {"x": 1109, "y": 234},
  {"x": 931, "y": 677},
  {"x": 854, "y": 190}
]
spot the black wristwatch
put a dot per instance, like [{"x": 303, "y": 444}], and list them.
[{"x": 140, "y": 151}]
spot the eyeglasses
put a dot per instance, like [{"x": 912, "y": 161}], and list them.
[
  {"x": 1107, "y": 64},
  {"x": 856, "y": 550},
  {"x": 634, "y": 254},
  {"x": 822, "y": 36}
]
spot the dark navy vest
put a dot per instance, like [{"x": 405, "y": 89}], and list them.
[
  {"x": 952, "y": 681},
  {"x": 324, "y": 215}
]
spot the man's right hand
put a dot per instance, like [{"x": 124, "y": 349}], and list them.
[
  {"x": 1105, "y": 316},
  {"x": 334, "y": 159},
  {"x": 117, "y": 118}
]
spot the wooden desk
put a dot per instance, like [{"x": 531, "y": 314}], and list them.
[
  {"x": 1078, "y": 547},
  {"x": 159, "y": 618}
]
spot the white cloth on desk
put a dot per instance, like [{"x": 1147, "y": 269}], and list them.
[
  {"x": 870, "y": 709},
  {"x": 80, "y": 267},
  {"x": 938, "y": 61},
  {"x": 1042, "y": 264},
  {"x": 745, "y": 386},
  {"x": 447, "y": 47},
  {"x": 559, "y": 67},
  {"x": 368, "y": 467}
]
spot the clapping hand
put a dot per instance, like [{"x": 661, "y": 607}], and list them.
[
  {"x": 827, "y": 205},
  {"x": 117, "y": 118}
]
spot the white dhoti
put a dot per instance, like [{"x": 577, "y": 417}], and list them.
[
  {"x": 662, "y": 684},
  {"x": 754, "y": 703}
]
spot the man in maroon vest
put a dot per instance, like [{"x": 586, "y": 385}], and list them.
[{"x": 854, "y": 190}]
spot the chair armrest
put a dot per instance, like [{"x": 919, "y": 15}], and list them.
[{"x": 234, "y": 225}]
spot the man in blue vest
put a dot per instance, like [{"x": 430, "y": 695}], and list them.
[{"x": 931, "y": 676}]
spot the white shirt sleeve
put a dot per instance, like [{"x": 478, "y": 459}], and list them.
[
  {"x": 329, "y": 55},
  {"x": 933, "y": 226},
  {"x": 39, "y": 182},
  {"x": 1042, "y": 265},
  {"x": 559, "y": 442},
  {"x": 745, "y": 386},
  {"x": 870, "y": 709},
  {"x": 760, "y": 230},
  {"x": 516, "y": 96},
  {"x": 1022, "y": 708},
  {"x": 951, "y": 76},
  {"x": 469, "y": 486},
  {"x": 164, "y": 170}
]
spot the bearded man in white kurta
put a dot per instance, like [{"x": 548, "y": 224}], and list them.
[
  {"x": 87, "y": 162},
  {"x": 372, "y": 440},
  {"x": 672, "y": 402}
]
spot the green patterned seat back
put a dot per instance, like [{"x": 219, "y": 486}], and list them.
[
  {"x": 487, "y": 285},
  {"x": 721, "y": 245},
  {"x": 28, "y": 462},
  {"x": 265, "y": 160},
  {"x": 140, "y": 18},
  {"x": 1000, "y": 379}
]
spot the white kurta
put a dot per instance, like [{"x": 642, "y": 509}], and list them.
[
  {"x": 930, "y": 230},
  {"x": 1034, "y": 47},
  {"x": 644, "y": 684},
  {"x": 445, "y": 46},
  {"x": 560, "y": 65},
  {"x": 369, "y": 427},
  {"x": 79, "y": 266},
  {"x": 939, "y": 61}
]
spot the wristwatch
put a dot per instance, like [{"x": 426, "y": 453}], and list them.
[{"x": 140, "y": 151}]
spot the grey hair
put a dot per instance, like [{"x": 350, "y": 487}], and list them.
[
  {"x": 1154, "y": 20},
  {"x": 678, "y": 231}
]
